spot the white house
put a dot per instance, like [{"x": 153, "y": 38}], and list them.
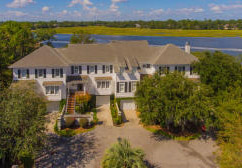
[{"x": 99, "y": 69}]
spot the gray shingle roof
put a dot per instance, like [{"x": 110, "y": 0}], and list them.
[
  {"x": 118, "y": 53},
  {"x": 43, "y": 57}
]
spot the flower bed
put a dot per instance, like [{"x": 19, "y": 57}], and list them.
[{"x": 117, "y": 119}]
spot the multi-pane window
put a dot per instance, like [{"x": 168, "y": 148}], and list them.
[
  {"x": 91, "y": 69},
  {"x": 103, "y": 84},
  {"x": 57, "y": 73},
  {"x": 121, "y": 87},
  {"x": 164, "y": 69},
  {"x": 23, "y": 73},
  {"x": 52, "y": 90},
  {"x": 133, "y": 86},
  {"x": 40, "y": 73},
  {"x": 181, "y": 68},
  {"x": 76, "y": 69}
]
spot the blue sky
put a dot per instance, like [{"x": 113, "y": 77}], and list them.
[{"x": 82, "y": 10}]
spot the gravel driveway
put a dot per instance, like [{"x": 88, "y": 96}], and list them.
[{"x": 86, "y": 150}]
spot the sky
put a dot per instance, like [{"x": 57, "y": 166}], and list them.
[{"x": 119, "y": 10}]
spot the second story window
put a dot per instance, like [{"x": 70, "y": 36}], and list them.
[
  {"x": 57, "y": 73},
  {"x": 146, "y": 66},
  {"x": 180, "y": 68},
  {"x": 23, "y": 73},
  {"x": 40, "y": 73},
  {"x": 107, "y": 68},
  {"x": 91, "y": 69},
  {"x": 76, "y": 69}
]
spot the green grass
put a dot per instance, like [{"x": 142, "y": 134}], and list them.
[
  {"x": 101, "y": 30},
  {"x": 178, "y": 138}
]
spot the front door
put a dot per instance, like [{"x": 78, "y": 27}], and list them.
[{"x": 80, "y": 87}]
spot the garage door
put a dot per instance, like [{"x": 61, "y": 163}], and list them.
[
  {"x": 127, "y": 105},
  {"x": 102, "y": 100}
]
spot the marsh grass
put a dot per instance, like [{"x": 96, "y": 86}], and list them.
[{"x": 102, "y": 30}]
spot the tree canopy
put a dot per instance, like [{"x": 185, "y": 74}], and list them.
[
  {"x": 81, "y": 37},
  {"x": 173, "y": 101},
  {"x": 218, "y": 70},
  {"x": 22, "y": 122},
  {"x": 16, "y": 41},
  {"x": 45, "y": 35}
]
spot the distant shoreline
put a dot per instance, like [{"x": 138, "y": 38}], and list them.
[{"x": 101, "y": 30}]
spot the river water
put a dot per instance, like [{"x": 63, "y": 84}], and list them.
[{"x": 230, "y": 45}]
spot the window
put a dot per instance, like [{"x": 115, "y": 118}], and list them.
[
  {"x": 146, "y": 65},
  {"x": 99, "y": 84},
  {"x": 24, "y": 73},
  {"x": 52, "y": 90},
  {"x": 164, "y": 69},
  {"x": 76, "y": 69},
  {"x": 40, "y": 73},
  {"x": 181, "y": 68},
  {"x": 92, "y": 68},
  {"x": 121, "y": 87},
  {"x": 103, "y": 84},
  {"x": 108, "y": 69},
  {"x": 57, "y": 73},
  {"x": 133, "y": 86}
]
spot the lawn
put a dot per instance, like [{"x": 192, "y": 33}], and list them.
[{"x": 101, "y": 30}]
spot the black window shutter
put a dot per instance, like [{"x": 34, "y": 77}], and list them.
[
  {"x": 111, "y": 68},
  {"x": 61, "y": 72},
  {"x": 44, "y": 73},
  {"x": 184, "y": 69},
  {"x": 191, "y": 70},
  {"x": 88, "y": 69},
  {"x": 103, "y": 68},
  {"x": 130, "y": 86},
  {"x": 126, "y": 87},
  {"x": 72, "y": 69},
  {"x": 95, "y": 69},
  {"x": 117, "y": 87},
  {"x": 27, "y": 73},
  {"x": 19, "y": 73},
  {"x": 80, "y": 69},
  {"x": 168, "y": 69},
  {"x": 176, "y": 68},
  {"x": 36, "y": 73},
  {"x": 53, "y": 73}
]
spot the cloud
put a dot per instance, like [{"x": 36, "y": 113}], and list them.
[
  {"x": 45, "y": 9},
  {"x": 114, "y": 7},
  {"x": 17, "y": 13},
  {"x": 191, "y": 10},
  {"x": 64, "y": 12},
  {"x": 156, "y": 12},
  {"x": 220, "y": 8},
  {"x": 84, "y": 3},
  {"x": 139, "y": 13},
  {"x": 19, "y": 3}
]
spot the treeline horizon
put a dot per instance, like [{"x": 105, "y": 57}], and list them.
[{"x": 185, "y": 24}]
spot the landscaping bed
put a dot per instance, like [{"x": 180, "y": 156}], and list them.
[
  {"x": 185, "y": 136},
  {"x": 117, "y": 118}
]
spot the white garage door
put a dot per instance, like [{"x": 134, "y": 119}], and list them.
[
  {"x": 102, "y": 100},
  {"x": 127, "y": 105}
]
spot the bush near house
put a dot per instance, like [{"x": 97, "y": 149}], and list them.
[
  {"x": 174, "y": 102},
  {"x": 62, "y": 103},
  {"x": 117, "y": 119}
]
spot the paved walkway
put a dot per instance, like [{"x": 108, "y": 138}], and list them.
[
  {"x": 86, "y": 150},
  {"x": 104, "y": 115}
]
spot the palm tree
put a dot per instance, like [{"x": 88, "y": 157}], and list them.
[{"x": 121, "y": 155}]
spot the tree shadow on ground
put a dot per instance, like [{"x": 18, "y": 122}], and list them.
[
  {"x": 192, "y": 152},
  {"x": 158, "y": 136},
  {"x": 151, "y": 165},
  {"x": 62, "y": 152}
]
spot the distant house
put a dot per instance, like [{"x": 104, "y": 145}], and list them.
[
  {"x": 137, "y": 25},
  {"x": 99, "y": 69}
]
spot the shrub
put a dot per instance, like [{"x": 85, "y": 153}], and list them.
[
  {"x": 26, "y": 159},
  {"x": 117, "y": 120},
  {"x": 69, "y": 121},
  {"x": 83, "y": 122},
  {"x": 62, "y": 103},
  {"x": 122, "y": 155}
]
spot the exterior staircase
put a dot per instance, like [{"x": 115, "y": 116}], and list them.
[{"x": 71, "y": 104}]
